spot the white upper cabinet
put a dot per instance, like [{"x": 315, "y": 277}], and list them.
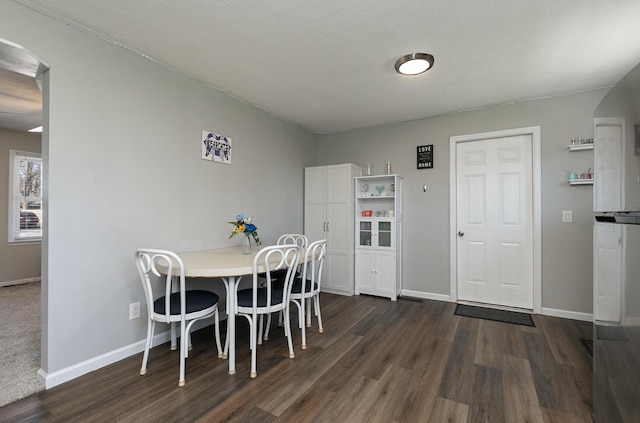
[{"x": 608, "y": 164}]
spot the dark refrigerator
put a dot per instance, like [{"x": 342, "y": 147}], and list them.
[{"x": 616, "y": 292}]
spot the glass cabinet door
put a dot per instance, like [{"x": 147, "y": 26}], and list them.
[
  {"x": 384, "y": 234},
  {"x": 365, "y": 233}
]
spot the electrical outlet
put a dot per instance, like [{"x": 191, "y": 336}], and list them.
[
  {"x": 567, "y": 216},
  {"x": 134, "y": 311}
]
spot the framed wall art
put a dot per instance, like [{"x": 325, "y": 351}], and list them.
[
  {"x": 424, "y": 156},
  {"x": 215, "y": 147}
]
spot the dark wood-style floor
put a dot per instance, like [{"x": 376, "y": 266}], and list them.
[{"x": 377, "y": 361}]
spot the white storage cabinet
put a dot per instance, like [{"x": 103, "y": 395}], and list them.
[{"x": 329, "y": 213}]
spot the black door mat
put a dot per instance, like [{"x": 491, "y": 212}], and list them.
[{"x": 504, "y": 316}]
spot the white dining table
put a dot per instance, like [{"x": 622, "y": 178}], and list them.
[{"x": 230, "y": 265}]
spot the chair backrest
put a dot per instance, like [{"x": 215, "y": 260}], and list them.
[
  {"x": 297, "y": 239},
  {"x": 164, "y": 265},
  {"x": 313, "y": 264},
  {"x": 272, "y": 258}
]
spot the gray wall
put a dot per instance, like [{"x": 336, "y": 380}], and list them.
[
  {"x": 123, "y": 170},
  {"x": 121, "y": 150},
  {"x": 566, "y": 247},
  {"x": 21, "y": 261}
]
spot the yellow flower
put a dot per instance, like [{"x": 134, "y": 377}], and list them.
[{"x": 244, "y": 225}]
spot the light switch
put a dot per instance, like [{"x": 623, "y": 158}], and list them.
[{"x": 567, "y": 216}]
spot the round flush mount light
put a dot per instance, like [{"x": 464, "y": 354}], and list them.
[{"x": 414, "y": 63}]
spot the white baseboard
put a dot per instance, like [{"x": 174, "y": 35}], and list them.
[
  {"x": 49, "y": 380},
  {"x": 574, "y": 315},
  {"x": 20, "y": 281},
  {"x": 337, "y": 292},
  {"x": 426, "y": 295}
]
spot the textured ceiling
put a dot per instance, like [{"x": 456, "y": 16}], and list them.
[
  {"x": 20, "y": 98},
  {"x": 20, "y": 101},
  {"x": 328, "y": 65}
]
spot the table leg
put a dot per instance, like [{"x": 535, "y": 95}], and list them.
[
  {"x": 174, "y": 337},
  {"x": 231, "y": 283},
  {"x": 172, "y": 326}
]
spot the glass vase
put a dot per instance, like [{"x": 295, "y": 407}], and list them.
[{"x": 246, "y": 245}]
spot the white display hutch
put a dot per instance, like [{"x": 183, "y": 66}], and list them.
[{"x": 378, "y": 237}]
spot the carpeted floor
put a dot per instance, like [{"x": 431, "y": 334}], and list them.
[{"x": 20, "y": 341}]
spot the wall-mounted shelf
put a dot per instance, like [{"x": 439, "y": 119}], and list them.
[
  {"x": 581, "y": 182},
  {"x": 580, "y": 147}
]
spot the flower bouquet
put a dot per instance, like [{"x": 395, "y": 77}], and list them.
[{"x": 244, "y": 226}]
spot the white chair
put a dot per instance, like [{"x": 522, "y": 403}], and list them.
[
  {"x": 263, "y": 298},
  {"x": 297, "y": 239},
  {"x": 294, "y": 239},
  {"x": 306, "y": 287},
  {"x": 172, "y": 303},
  {"x": 286, "y": 239}
]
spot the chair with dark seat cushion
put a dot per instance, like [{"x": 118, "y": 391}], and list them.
[
  {"x": 277, "y": 276},
  {"x": 164, "y": 271},
  {"x": 287, "y": 239},
  {"x": 306, "y": 287},
  {"x": 262, "y": 299}
]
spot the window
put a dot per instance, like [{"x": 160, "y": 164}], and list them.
[{"x": 25, "y": 196}]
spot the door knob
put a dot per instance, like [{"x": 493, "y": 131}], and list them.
[{"x": 460, "y": 233}]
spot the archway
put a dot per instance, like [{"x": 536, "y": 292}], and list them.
[{"x": 23, "y": 76}]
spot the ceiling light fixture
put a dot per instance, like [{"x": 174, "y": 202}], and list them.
[{"x": 414, "y": 63}]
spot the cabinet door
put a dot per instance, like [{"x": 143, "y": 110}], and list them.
[
  {"x": 607, "y": 164},
  {"x": 364, "y": 238},
  {"x": 386, "y": 272},
  {"x": 314, "y": 222},
  {"x": 365, "y": 271},
  {"x": 385, "y": 234},
  {"x": 607, "y": 277},
  {"x": 339, "y": 235},
  {"x": 339, "y": 202},
  {"x": 314, "y": 203}
]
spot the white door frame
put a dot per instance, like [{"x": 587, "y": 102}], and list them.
[{"x": 534, "y": 132}]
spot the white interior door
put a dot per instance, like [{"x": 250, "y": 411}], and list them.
[{"x": 494, "y": 218}]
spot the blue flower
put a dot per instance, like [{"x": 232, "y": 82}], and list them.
[{"x": 243, "y": 225}]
